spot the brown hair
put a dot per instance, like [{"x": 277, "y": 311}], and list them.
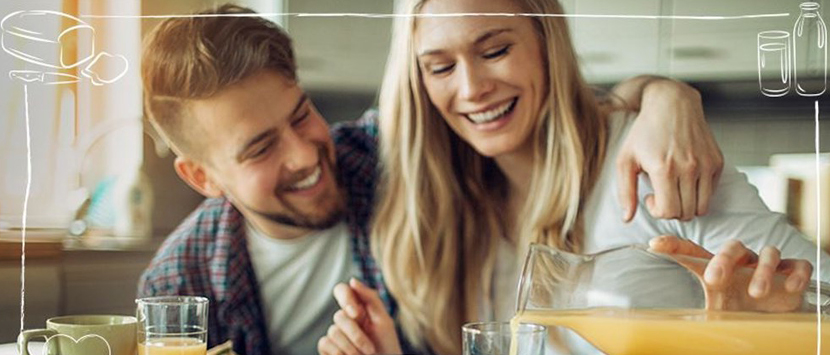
[{"x": 196, "y": 57}]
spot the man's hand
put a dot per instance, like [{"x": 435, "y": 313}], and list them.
[
  {"x": 671, "y": 142},
  {"x": 361, "y": 326},
  {"x": 739, "y": 279}
]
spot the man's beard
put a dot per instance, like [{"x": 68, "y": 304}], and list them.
[{"x": 295, "y": 218}]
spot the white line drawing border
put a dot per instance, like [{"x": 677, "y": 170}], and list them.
[
  {"x": 487, "y": 14},
  {"x": 378, "y": 15}
]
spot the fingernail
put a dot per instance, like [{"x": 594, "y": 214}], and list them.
[
  {"x": 352, "y": 311},
  {"x": 625, "y": 214},
  {"x": 713, "y": 275},
  {"x": 758, "y": 288}
]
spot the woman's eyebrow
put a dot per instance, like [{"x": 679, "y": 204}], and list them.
[
  {"x": 490, "y": 34},
  {"x": 480, "y": 39}
]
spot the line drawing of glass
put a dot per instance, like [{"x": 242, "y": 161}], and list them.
[
  {"x": 774, "y": 63},
  {"x": 810, "y": 51}
]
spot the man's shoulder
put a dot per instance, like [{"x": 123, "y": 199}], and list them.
[
  {"x": 185, "y": 254},
  {"x": 356, "y": 143},
  {"x": 358, "y": 136},
  {"x": 214, "y": 216}
]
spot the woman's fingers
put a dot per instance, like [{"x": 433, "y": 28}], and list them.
[
  {"x": 342, "y": 342},
  {"x": 762, "y": 277},
  {"x": 798, "y": 274},
  {"x": 627, "y": 170},
  {"x": 348, "y": 301},
  {"x": 353, "y": 332},
  {"x": 665, "y": 202},
  {"x": 326, "y": 346},
  {"x": 732, "y": 255},
  {"x": 370, "y": 298},
  {"x": 688, "y": 192},
  {"x": 668, "y": 244},
  {"x": 709, "y": 176},
  {"x": 382, "y": 326}
]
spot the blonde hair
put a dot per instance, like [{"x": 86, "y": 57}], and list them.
[
  {"x": 438, "y": 218},
  {"x": 192, "y": 58}
]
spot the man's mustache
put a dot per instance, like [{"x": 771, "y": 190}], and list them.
[{"x": 322, "y": 159}]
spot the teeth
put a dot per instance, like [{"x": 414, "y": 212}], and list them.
[
  {"x": 491, "y": 115},
  {"x": 309, "y": 181}
]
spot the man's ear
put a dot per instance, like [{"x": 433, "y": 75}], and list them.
[{"x": 195, "y": 175}]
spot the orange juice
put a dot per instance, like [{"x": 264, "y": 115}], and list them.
[
  {"x": 689, "y": 332},
  {"x": 172, "y": 346}
]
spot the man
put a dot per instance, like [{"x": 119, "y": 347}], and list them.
[
  {"x": 288, "y": 204},
  {"x": 250, "y": 140}
]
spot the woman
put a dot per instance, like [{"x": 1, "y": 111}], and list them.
[{"x": 491, "y": 141}]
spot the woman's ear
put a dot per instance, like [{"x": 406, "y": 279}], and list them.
[{"x": 197, "y": 176}]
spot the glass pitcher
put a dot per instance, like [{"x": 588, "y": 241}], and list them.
[{"x": 629, "y": 300}]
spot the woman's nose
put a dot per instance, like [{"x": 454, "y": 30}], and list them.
[{"x": 475, "y": 83}]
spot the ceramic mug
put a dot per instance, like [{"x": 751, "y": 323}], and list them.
[{"x": 84, "y": 335}]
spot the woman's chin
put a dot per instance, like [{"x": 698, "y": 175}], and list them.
[{"x": 490, "y": 150}]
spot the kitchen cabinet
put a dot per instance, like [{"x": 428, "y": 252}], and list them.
[
  {"x": 610, "y": 49},
  {"x": 340, "y": 53},
  {"x": 722, "y": 49},
  {"x": 349, "y": 53}
]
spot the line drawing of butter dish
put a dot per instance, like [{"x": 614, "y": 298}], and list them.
[{"x": 23, "y": 36}]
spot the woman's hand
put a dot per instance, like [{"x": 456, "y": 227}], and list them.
[
  {"x": 671, "y": 142},
  {"x": 738, "y": 279},
  {"x": 361, "y": 326}
]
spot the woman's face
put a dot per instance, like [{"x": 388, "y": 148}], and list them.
[{"x": 484, "y": 74}]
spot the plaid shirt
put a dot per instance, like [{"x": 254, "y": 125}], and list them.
[{"x": 207, "y": 254}]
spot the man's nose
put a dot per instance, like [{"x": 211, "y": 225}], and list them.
[{"x": 301, "y": 153}]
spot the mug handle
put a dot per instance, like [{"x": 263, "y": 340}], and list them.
[{"x": 23, "y": 338}]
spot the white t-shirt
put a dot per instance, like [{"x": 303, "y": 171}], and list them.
[
  {"x": 735, "y": 212},
  {"x": 296, "y": 278}
]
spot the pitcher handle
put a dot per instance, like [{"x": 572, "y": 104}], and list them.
[
  {"x": 814, "y": 297},
  {"x": 26, "y": 335}
]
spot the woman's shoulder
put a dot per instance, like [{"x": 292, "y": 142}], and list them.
[{"x": 619, "y": 122}]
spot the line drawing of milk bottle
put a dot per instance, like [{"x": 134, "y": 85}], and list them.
[{"x": 810, "y": 51}]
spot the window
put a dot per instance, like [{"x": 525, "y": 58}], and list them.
[{"x": 82, "y": 133}]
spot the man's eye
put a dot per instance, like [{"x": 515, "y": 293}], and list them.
[
  {"x": 302, "y": 118},
  {"x": 261, "y": 151},
  {"x": 497, "y": 53},
  {"x": 440, "y": 69}
]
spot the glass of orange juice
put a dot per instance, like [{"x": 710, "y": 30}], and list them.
[{"x": 172, "y": 325}]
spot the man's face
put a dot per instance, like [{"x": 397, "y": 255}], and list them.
[{"x": 269, "y": 151}]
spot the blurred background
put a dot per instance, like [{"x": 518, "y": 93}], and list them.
[{"x": 104, "y": 194}]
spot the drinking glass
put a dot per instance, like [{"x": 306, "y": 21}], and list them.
[
  {"x": 494, "y": 338},
  {"x": 172, "y": 325},
  {"x": 774, "y": 63},
  {"x": 629, "y": 300}
]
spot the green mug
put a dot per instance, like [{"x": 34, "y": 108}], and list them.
[{"x": 84, "y": 335}]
